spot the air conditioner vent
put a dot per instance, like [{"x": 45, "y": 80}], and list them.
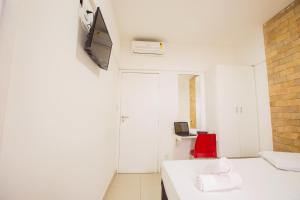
[{"x": 145, "y": 47}]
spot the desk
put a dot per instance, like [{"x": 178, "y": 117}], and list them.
[
  {"x": 183, "y": 146},
  {"x": 180, "y": 138}
]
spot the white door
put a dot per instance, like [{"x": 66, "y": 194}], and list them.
[
  {"x": 237, "y": 112},
  {"x": 227, "y": 113},
  {"x": 139, "y": 123},
  {"x": 248, "y": 121}
]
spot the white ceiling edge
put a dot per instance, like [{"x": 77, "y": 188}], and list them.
[{"x": 214, "y": 22}]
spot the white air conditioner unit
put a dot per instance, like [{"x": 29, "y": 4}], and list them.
[{"x": 144, "y": 47}]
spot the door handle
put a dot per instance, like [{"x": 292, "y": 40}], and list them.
[
  {"x": 124, "y": 117},
  {"x": 236, "y": 110}
]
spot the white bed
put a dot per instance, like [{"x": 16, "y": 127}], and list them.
[{"x": 261, "y": 181}]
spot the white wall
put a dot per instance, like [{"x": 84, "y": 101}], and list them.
[
  {"x": 263, "y": 105},
  {"x": 179, "y": 57},
  {"x": 168, "y": 103},
  {"x": 251, "y": 50},
  {"x": 1, "y": 5},
  {"x": 7, "y": 32},
  {"x": 200, "y": 102},
  {"x": 184, "y": 98},
  {"x": 199, "y": 58},
  {"x": 60, "y": 128},
  {"x": 210, "y": 79}
]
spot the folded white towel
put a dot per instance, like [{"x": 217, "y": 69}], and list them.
[
  {"x": 220, "y": 166},
  {"x": 213, "y": 182}
]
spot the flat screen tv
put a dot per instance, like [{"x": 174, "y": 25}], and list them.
[{"x": 98, "y": 44}]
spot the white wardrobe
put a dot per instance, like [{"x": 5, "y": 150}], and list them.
[{"x": 231, "y": 110}]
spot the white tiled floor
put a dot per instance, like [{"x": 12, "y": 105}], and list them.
[{"x": 135, "y": 187}]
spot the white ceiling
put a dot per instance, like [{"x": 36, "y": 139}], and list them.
[{"x": 193, "y": 21}]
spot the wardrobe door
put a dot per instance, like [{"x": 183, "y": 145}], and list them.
[
  {"x": 227, "y": 113},
  {"x": 248, "y": 124}
]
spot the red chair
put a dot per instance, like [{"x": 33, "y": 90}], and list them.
[{"x": 205, "y": 146}]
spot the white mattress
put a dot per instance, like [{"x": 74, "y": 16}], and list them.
[{"x": 261, "y": 181}]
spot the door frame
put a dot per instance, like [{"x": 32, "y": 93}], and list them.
[{"x": 122, "y": 72}]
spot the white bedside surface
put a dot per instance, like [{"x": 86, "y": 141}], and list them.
[{"x": 180, "y": 138}]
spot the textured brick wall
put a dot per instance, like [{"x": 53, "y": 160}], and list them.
[{"x": 282, "y": 43}]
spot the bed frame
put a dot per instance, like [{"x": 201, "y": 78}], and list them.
[{"x": 163, "y": 192}]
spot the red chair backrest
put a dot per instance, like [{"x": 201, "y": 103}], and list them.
[{"x": 205, "y": 146}]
